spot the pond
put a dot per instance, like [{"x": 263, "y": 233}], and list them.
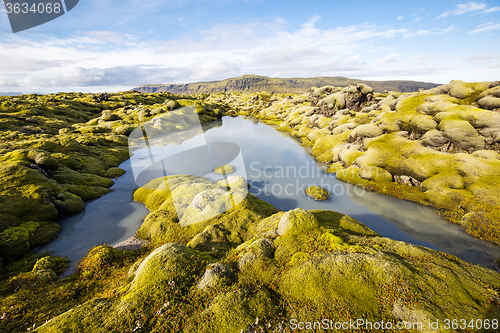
[{"x": 278, "y": 170}]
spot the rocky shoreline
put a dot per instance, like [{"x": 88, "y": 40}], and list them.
[
  {"x": 132, "y": 243},
  {"x": 438, "y": 147}
]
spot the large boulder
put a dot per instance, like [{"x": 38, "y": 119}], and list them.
[
  {"x": 365, "y": 131},
  {"x": 489, "y": 102},
  {"x": 297, "y": 221},
  {"x": 356, "y": 94},
  {"x": 462, "y": 134},
  {"x": 434, "y": 138},
  {"x": 174, "y": 263}
]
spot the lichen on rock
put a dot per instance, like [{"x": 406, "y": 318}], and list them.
[{"x": 317, "y": 193}]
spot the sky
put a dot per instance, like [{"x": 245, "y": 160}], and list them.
[{"x": 113, "y": 45}]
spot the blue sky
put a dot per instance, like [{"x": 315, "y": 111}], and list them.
[{"x": 110, "y": 45}]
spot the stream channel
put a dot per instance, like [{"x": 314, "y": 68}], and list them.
[{"x": 278, "y": 170}]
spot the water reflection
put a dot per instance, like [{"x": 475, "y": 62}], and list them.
[{"x": 279, "y": 170}]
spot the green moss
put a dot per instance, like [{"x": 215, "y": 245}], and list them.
[
  {"x": 341, "y": 223},
  {"x": 298, "y": 257},
  {"x": 162, "y": 225},
  {"x": 401, "y": 191},
  {"x": 297, "y": 221},
  {"x": 318, "y": 193},
  {"x": 114, "y": 172},
  {"x": 101, "y": 258},
  {"x": 56, "y": 264},
  {"x": 88, "y": 317},
  {"x": 14, "y": 242},
  {"x": 212, "y": 237},
  {"x": 66, "y": 160},
  {"x": 67, "y": 176},
  {"x": 235, "y": 311},
  {"x": 324, "y": 143},
  {"x": 335, "y": 167},
  {"x": 170, "y": 262},
  {"x": 477, "y": 217}
]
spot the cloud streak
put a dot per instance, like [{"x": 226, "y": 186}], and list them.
[
  {"x": 486, "y": 27},
  {"x": 387, "y": 59},
  {"x": 464, "y": 8}
]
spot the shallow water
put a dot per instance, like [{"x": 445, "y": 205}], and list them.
[
  {"x": 108, "y": 220},
  {"x": 278, "y": 170}
]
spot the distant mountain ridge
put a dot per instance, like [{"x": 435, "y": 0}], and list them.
[
  {"x": 11, "y": 93},
  {"x": 256, "y": 83}
]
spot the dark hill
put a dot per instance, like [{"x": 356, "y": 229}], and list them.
[{"x": 255, "y": 83}]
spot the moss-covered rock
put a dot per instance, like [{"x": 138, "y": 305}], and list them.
[
  {"x": 114, "y": 172},
  {"x": 56, "y": 264},
  {"x": 224, "y": 170},
  {"x": 375, "y": 173},
  {"x": 162, "y": 225},
  {"x": 170, "y": 262},
  {"x": 317, "y": 193},
  {"x": 297, "y": 221},
  {"x": 99, "y": 259},
  {"x": 43, "y": 277},
  {"x": 255, "y": 252},
  {"x": 489, "y": 102},
  {"x": 235, "y": 311},
  {"x": 213, "y": 237},
  {"x": 461, "y": 133},
  {"x": 216, "y": 275}
]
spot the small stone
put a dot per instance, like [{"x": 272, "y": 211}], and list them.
[
  {"x": 317, "y": 193},
  {"x": 218, "y": 273}
]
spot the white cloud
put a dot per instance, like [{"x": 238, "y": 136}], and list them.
[
  {"x": 354, "y": 59},
  {"x": 464, "y": 8},
  {"x": 486, "y": 27},
  {"x": 417, "y": 33},
  {"x": 417, "y": 12},
  {"x": 416, "y": 20},
  {"x": 106, "y": 37},
  {"x": 486, "y": 56},
  {"x": 494, "y": 66},
  {"x": 492, "y": 10},
  {"x": 419, "y": 57},
  {"x": 422, "y": 32},
  {"x": 104, "y": 60},
  {"x": 400, "y": 17},
  {"x": 389, "y": 58}
]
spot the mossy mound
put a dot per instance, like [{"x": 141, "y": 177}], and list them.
[
  {"x": 169, "y": 263},
  {"x": 237, "y": 310},
  {"x": 234, "y": 225},
  {"x": 317, "y": 193},
  {"x": 56, "y": 264},
  {"x": 296, "y": 222},
  {"x": 225, "y": 169},
  {"x": 101, "y": 258},
  {"x": 336, "y": 267},
  {"x": 114, "y": 172}
]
